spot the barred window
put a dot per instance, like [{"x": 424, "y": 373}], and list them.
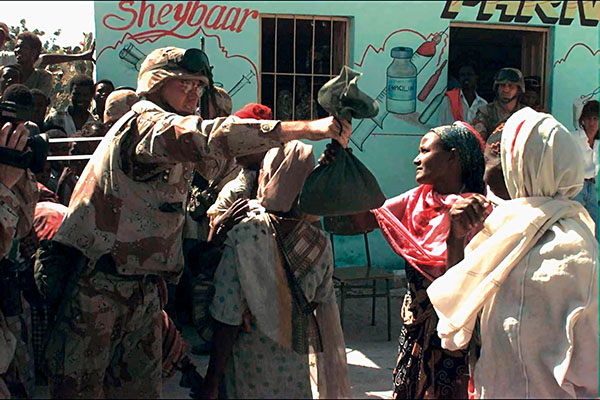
[{"x": 298, "y": 55}]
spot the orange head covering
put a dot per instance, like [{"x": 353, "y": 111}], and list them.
[{"x": 254, "y": 111}]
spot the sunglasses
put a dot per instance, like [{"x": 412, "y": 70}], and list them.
[{"x": 189, "y": 85}]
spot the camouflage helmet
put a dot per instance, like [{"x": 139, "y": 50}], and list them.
[
  {"x": 509, "y": 75},
  {"x": 223, "y": 105},
  {"x": 172, "y": 62}
]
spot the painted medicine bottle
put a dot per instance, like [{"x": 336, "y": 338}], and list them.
[{"x": 401, "y": 89}]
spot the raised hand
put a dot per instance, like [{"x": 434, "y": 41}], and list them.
[{"x": 467, "y": 215}]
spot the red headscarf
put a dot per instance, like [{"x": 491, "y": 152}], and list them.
[
  {"x": 254, "y": 111},
  {"x": 416, "y": 225}
]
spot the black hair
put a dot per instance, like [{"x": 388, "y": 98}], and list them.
[
  {"x": 465, "y": 64},
  {"x": 81, "y": 80},
  {"x": 467, "y": 143},
  {"x": 18, "y": 94},
  {"x": 87, "y": 130},
  {"x": 38, "y": 92},
  {"x": 105, "y": 81},
  {"x": 590, "y": 109},
  {"x": 13, "y": 66},
  {"x": 532, "y": 83},
  {"x": 31, "y": 39}
]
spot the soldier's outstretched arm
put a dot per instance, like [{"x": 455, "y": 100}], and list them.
[{"x": 174, "y": 138}]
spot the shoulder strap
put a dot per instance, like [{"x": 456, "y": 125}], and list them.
[{"x": 307, "y": 316}]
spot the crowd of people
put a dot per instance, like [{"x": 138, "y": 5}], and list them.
[{"x": 162, "y": 191}]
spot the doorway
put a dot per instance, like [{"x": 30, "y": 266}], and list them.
[{"x": 490, "y": 47}]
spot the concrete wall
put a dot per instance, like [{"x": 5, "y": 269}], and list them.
[{"x": 388, "y": 146}]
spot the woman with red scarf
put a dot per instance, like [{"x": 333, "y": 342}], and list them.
[{"x": 450, "y": 167}]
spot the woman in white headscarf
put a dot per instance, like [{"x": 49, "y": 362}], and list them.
[
  {"x": 531, "y": 274},
  {"x": 275, "y": 278}
]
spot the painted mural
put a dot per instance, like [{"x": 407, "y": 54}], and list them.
[
  {"x": 402, "y": 49},
  {"x": 408, "y": 85},
  {"x": 134, "y": 28}
]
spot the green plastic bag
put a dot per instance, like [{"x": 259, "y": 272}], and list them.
[
  {"x": 345, "y": 186},
  {"x": 341, "y": 96}
]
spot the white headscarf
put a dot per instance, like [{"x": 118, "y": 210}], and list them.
[{"x": 543, "y": 170}]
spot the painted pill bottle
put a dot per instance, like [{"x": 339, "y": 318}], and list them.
[{"x": 401, "y": 88}]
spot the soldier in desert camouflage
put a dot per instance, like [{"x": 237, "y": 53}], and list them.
[
  {"x": 509, "y": 86},
  {"x": 18, "y": 196},
  {"x": 126, "y": 217}
]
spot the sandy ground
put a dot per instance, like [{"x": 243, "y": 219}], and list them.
[{"x": 371, "y": 357}]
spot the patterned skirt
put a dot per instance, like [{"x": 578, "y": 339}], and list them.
[{"x": 424, "y": 370}]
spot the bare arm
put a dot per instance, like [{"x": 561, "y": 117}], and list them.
[
  {"x": 53, "y": 58},
  {"x": 9, "y": 219},
  {"x": 224, "y": 338},
  {"x": 365, "y": 221},
  {"x": 455, "y": 250}
]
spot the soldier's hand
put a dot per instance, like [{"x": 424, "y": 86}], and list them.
[
  {"x": 333, "y": 128},
  {"x": 329, "y": 155},
  {"x": 467, "y": 215},
  {"x": 16, "y": 140}
]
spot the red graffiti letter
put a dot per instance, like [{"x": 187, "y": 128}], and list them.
[
  {"x": 247, "y": 13},
  {"x": 122, "y": 7},
  {"x": 232, "y": 24},
  {"x": 163, "y": 12},
  {"x": 143, "y": 9},
  {"x": 181, "y": 15},
  {"x": 215, "y": 23},
  {"x": 197, "y": 5}
]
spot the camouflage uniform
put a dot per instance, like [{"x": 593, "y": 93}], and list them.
[
  {"x": 491, "y": 115},
  {"x": 16, "y": 210},
  {"x": 16, "y": 219},
  {"x": 196, "y": 229},
  {"x": 129, "y": 206},
  {"x": 108, "y": 340}
]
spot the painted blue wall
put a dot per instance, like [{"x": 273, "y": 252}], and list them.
[{"x": 375, "y": 28}]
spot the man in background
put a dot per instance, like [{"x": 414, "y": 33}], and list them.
[
  {"x": 508, "y": 86},
  {"x": 77, "y": 114},
  {"x": 461, "y": 104}
]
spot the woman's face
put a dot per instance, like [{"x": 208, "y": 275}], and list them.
[
  {"x": 493, "y": 175},
  {"x": 590, "y": 125},
  {"x": 432, "y": 161}
]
